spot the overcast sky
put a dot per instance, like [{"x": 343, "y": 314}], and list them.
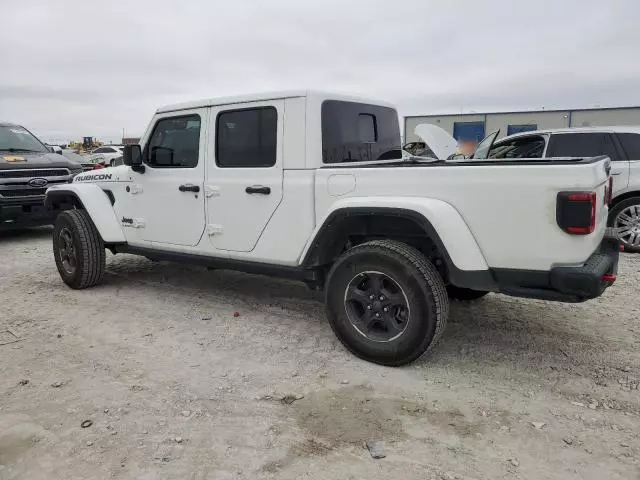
[{"x": 70, "y": 68}]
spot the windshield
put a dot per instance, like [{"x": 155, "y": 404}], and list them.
[
  {"x": 484, "y": 146},
  {"x": 17, "y": 139}
]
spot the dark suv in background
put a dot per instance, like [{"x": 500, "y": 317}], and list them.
[{"x": 27, "y": 169}]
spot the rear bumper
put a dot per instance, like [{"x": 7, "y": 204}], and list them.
[{"x": 566, "y": 284}]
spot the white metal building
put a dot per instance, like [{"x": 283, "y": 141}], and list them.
[{"x": 475, "y": 126}]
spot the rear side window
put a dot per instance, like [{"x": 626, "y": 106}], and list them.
[
  {"x": 581, "y": 145},
  {"x": 526, "y": 147},
  {"x": 174, "y": 143},
  {"x": 631, "y": 144},
  {"x": 358, "y": 132},
  {"x": 247, "y": 138}
]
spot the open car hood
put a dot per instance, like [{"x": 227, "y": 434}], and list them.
[{"x": 437, "y": 139}]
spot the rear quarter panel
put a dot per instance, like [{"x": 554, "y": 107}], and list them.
[{"x": 510, "y": 210}]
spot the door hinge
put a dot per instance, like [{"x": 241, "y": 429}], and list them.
[
  {"x": 214, "y": 230},
  {"x": 211, "y": 191}
]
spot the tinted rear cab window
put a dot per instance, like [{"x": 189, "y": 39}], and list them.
[{"x": 358, "y": 132}]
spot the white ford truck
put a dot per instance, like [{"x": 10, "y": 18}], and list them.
[{"x": 314, "y": 186}]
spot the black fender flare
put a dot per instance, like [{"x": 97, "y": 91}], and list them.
[{"x": 330, "y": 231}]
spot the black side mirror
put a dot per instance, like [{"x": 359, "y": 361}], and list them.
[{"x": 132, "y": 156}]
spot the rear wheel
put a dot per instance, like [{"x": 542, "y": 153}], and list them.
[
  {"x": 625, "y": 219},
  {"x": 78, "y": 249},
  {"x": 386, "y": 302},
  {"x": 459, "y": 293}
]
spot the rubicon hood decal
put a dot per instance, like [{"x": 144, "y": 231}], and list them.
[{"x": 93, "y": 177}]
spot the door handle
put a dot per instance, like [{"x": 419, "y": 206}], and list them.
[
  {"x": 616, "y": 173},
  {"x": 258, "y": 189},
  {"x": 189, "y": 188}
]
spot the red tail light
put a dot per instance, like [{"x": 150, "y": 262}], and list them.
[
  {"x": 609, "y": 277},
  {"x": 576, "y": 212},
  {"x": 98, "y": 166}
]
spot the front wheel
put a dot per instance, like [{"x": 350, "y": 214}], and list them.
[
  {"x": 625, "y": 219},
  {"x": 386, "y": 302},
  {"x": 78, "y": 249}
]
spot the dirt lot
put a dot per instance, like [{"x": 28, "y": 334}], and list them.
[{"x": 179, "y": 387}]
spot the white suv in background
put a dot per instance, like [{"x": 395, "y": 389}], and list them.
[
  {"x": 106, "y": 154},
  {"x": 621, "y": 144}
]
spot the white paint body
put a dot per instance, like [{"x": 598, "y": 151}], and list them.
[{"x": 486, "y": 216}]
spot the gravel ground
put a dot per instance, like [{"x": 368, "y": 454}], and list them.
[{"x": 181, "y": 374}]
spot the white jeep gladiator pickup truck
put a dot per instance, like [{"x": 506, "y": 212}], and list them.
[{"x": 314, "y": 186}]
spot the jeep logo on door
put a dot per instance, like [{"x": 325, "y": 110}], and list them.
[{"x": 38, "y": 182}]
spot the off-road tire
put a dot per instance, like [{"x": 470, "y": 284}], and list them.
[
  {"x": 466, "y": 294},
  {"x": 88, "y": 246},
  {"x": 421, "y": 284},
  {"x": 615, "y": 211}
]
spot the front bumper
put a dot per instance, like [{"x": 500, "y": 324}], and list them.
[
  {"x": 568, "y": 284},
  {"x": 24, "y": 212}
]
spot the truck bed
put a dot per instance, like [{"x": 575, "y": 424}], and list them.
[
  {"x": 424, "y": 162},
  {"x": 509, "y": 207}
]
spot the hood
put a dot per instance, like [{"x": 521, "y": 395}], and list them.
[
  {"x": 22, "y": 160},
  {"x": 437, "y": 139}
]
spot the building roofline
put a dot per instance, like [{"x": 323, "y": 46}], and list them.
[{"x": 567, "y": 110}]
